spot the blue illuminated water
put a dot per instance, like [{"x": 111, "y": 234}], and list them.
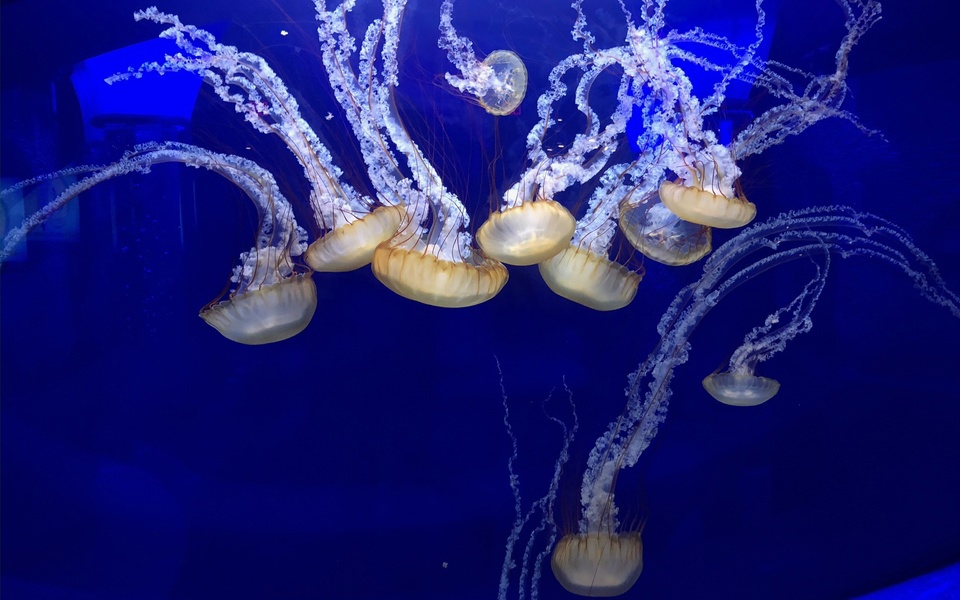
[{"x": 145, "y": 456}]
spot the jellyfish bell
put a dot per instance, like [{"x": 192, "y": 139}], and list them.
[
  {"x": 703, "y": 207},
  {"x": 590, "y": 279},
  {"x": 351, "y": 246},
  {"x": 528, "y": 233},
  {"x": 600, "y": 556},
  {"x": 582, "y": 271},
  {"x": 661, "y": 235},
  {"x": 506, "y": 83},
  {"x": 740, "y": 387},
  {"x": 426, "y": 272},
  {"x": 431, "y": 258},
  {"x": 598, "y": 565},
  {"x": 272, "y": 313},
  {"x": 498, "y": 82},
  {"x": 416, "y": 273},
  {"x": 708, "y": 193}
]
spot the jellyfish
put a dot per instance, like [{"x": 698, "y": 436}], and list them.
[
  {"x": 499, "y": 81},
  {"x": 582, "y": 272},
  {"x": 508, "y": 83},
  {"x": 353, "y": 223},
  {"x": 674, "y": 120},
  {"x": 590, "y": 278},
  {"x": 527, "y": 234},
  {"x": 701, "y": 206},
  {"x": 739, "y": 385},
  {"x": 740, "y": 388},
  {"x": 431, "y": 263},
  {"x": 598, "y": 565},
  {"x": 660, "y": 235},
  {"x": 273, "y": 298}
]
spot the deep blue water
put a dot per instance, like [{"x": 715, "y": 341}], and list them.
[{"x": 145, "y": 456}]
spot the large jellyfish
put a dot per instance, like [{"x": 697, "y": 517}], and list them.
[{"x": 272, "y": 298}]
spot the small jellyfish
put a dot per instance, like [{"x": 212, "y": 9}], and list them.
[
  {"x": 740, "y": 387},
  {"x": 504, "y": 91},
  {"x": 598, "y": 564},
  {"x": 499, "y": 82},
  {"x": 528, "y": 233}
]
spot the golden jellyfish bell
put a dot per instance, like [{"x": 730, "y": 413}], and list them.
[
  {"x": 509, "y": 87},
  {"x": 527, "y": 234},
  {"x": 706, "y": 208},
  {"x": 598, "y": 565},
  {"x": 351, "y": 246},
  {"x": 271, "y": 313},
  {"x": 414, "y": 272},
  {"x": 589, "y": 279},
  {"x": 740, "y": 388}
]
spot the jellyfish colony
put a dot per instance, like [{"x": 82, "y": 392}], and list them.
[{"x": 564, "y": 210}]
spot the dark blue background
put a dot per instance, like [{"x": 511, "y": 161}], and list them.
[{"x": 144, "y": 456}]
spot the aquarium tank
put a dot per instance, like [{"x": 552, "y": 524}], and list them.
[{"x": 456, "y": 299}]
